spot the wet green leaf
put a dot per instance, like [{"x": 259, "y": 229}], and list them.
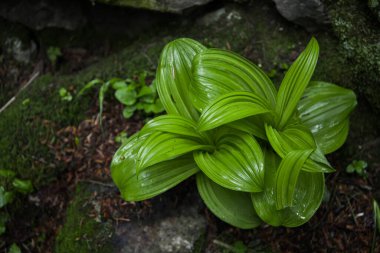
[
  {"x": 325, "y": 108},
  {"x": 174, "y": 76},
  {"x": 233, "y": 207},
  {"x": 159, "y": 147},
  {"x": 152, "y": 180},
  {"x": 295, "y": 81},
  {"x": 307, "y": 196},
  {"x": 298, "y": 137},
  {"x": 231, "y": 107},
  {"x": 217, "y": 72},
  {"x": 237, "y": 162}
]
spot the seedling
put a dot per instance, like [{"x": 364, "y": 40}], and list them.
[{"x": 357, "y": 167}]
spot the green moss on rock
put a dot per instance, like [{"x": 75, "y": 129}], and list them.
[
  {"x": 81, "y": 233},
  {"x": 359, "y": 32}
]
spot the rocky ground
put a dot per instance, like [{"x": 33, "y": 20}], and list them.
[{"x": 61, "y": 146}]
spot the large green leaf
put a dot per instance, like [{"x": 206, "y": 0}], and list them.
[
  {"x": 254, "y": 125},
  {"x": 295, "y": 81},
  {"x": 231, "y": 107},
  {"x": 287, "y": 176},
  {"x": 307, "y": 196},
  {"x": 236, "y": 164},
  {"x": 325, "y": 108},
  {"x": 174, "y": 124},
  {"x": 159, "y": 147},
  {"x": 232, "y": 207},
  {"x": 174, "y": 76},
  {"x": 298, "y": 137},
  {"x": 217, "y": 72},
  {"x": 152, "y": 180}
]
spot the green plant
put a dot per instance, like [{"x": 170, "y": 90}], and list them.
[
  {"x": 53, "y": 54},
  {"x": 9, "y": 186},
  {"x": 357, "y": 167},
  {"x": 258, "y": 153},
  {"x": 14, "y": 249},
  {"x": 134, "y": 95},
  {"x": 65, "y": 94}
]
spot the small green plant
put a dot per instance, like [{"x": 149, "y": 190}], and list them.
[
  {"x": 258, "y": 153},
  {"x": 357, "y": 167},
  {"x": 135, "y": 95},
  {"x": 10, "y": 185},
  {"x": 122, "y": 137},
  {"x": 65, "y": 94},
  {"x": 53, "y": 54},
  {"x": 14, "y": 249}
]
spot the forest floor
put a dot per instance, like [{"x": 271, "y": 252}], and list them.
[{"x": 85, "y": 147}]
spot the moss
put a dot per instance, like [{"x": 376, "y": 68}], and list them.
[
  {"x": 358, "y": 32},
  {"x": 82, "y": 234}
]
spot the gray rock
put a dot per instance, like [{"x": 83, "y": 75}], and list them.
[
  {"x": 171, "y": 6},
  {"x": 175, "y": 233},
  {"x": 40, "y": 14},
  {"x": 19, "y": 50},
  {"x": 308, "y": 13}
]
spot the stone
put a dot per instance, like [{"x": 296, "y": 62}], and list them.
[
  {"x": 40, "y": 14},
  {"x": 310, "y": 14},
  {"x": 171, "y": 6},
  {"x": 22, "y": 52},
  {"x": 176, "y": 232}
]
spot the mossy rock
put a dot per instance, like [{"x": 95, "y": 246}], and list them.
[
  {"x": 359, "y": 32},
  {"x": 81, "y": 233}
]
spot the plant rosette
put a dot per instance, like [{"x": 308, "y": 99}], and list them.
[{"x": 258, "y": 153}]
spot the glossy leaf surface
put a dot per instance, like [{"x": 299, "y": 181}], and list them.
[
  {"x": 236, "y": 164},
  {"x": 231, "y": 107},
  {"x": 298, "y": 137},
  {"x": 217, "y": 72},
  {"x": 325, "y": 108},
  {"x": 151, "y": 181},
  {"x": 295, "y": 81},
  {"x": 159, "y": 147},
  {"x": 174, "y": 76},
  {"x": 172, "y": 124},
  {"x": 287, "y": 176},
  {"x": 307, "y": 196},
  {"x": 233, "y": 207}
]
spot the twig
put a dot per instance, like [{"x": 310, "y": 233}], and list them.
[
  {"x": 34, "y": 76},
  {"x": 97, "y": 182},
  {"x": 224, "y": 245}
]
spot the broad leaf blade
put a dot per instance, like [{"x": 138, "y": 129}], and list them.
[
  {"x": 236, "y": 164},
  {"x": 152, "y": 180},
  {"x": 325, "y": 108},
  {"x": 233, "y": 207},
  {"x": 159, "y": 147},
  {"x": 172, "y": 124},
  {"x": 307, "y": 196},
  {"x": 287, "y": 176},
  {"x": 252, "y": 125},
  {"x": 174, "y": 76},
  {"x": 217, "y": 72},
  {"x": 295, "y": 82},
  {"x": 231, "y": 107},
  {"x": 298, "y": 137}
]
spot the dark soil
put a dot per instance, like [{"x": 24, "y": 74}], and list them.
[{"x": 344, "y": 222}]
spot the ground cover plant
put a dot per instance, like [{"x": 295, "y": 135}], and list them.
[{"x": 258, "y": 153}]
